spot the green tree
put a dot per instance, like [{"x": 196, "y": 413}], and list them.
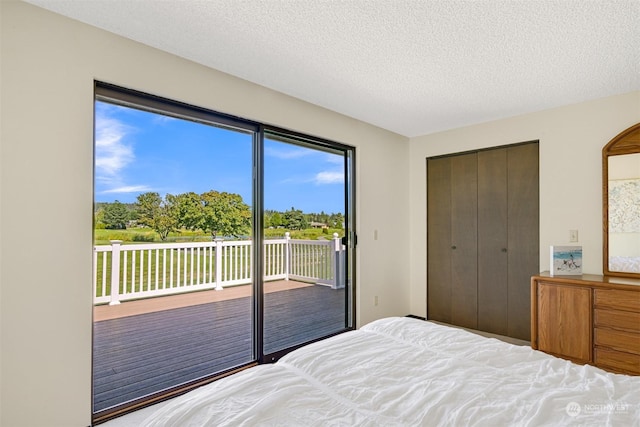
[
  {"x": 266, "y": 219},
  {"x": 272, "y": 219},
  {"x": 224, "y": 214},
  {"x": 115, "y": 216},
  {"x": 336, "y": 220},
  {"x": 98, "y": 218},
  {"x": 148, "y": 206},
  {"x": 187, "y": 208},
  {"x": 276, "y": 220},
  {"x": 322, "y": 217},
  {"x": 156, "y": 213},
  {"x": 294, "y": 219}
]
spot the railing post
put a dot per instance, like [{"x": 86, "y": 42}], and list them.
[
  {"x": 115, "y": 272},
  {"x": 287, "y": 254},
  {"x": 337, "y": 262},
  {"x": 218, "y": 241}
]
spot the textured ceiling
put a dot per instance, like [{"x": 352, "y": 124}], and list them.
[{"x": 412, "y": 67}]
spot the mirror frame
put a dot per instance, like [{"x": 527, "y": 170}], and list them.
[{"x": 626, "y": 142}]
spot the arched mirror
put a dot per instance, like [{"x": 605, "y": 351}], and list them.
[{"x": 621, "y": 204}]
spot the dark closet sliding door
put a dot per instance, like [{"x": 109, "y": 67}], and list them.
[
  {"x": 464, "y": 240},
  {"x": 492, "y": 241},
  {"x": 524, "y": 235},
  {"x": 439, "y": 242},
  {"x": 452, "y": 246},
  {"x": 483, "y": 238}
]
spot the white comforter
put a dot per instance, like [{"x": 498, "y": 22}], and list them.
[{"x": 408, "y": 372}]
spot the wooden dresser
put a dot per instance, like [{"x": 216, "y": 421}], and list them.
[{"x": 589, "y": 319}]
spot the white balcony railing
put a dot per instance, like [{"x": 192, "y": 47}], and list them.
[{"x": 125, "y": 272}]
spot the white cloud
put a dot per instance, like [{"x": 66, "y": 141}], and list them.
[
  {"x": 294, "y": 153},
  {"x": 129, "y": 189},
  {"x": 112, "y": 153},
  {"x": 329, "y": 178},
  {"x": 162, "y": 119},
  {"x": 334, "y": 159}
]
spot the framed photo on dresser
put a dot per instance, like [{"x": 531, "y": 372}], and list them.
[{"x": 566, "y": 260}]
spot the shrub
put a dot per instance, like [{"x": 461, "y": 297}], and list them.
[{"x": 143, "y": 238}]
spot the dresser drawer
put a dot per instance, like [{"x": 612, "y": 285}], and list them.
[
  {"x": 617, "y": 319},
  {"x": 617, "y": 299},
  {"x": 617, "y": 361},
  {"x": 617, "y": 340}
]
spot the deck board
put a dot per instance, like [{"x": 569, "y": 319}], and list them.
[{"x": 138, "y": 355}]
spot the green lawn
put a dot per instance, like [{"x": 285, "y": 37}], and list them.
[{"x": 147, "y": 235}]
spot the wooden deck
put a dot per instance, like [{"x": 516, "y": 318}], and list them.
[{"x": 143, "y": 348}]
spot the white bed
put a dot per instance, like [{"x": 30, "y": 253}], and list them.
[{"x": 408, "y": 372}]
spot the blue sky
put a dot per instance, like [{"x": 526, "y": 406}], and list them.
[{"x": 138, "y": 151}]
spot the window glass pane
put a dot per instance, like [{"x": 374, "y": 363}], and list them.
[
  {"x": 173, "y": 252},
  {"x": 304, "y": 199}
]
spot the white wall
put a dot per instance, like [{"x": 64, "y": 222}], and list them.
[
  {"x": 571, "y": 140},
  {"x": 49, "y": 64}
]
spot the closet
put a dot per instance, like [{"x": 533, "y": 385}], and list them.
[{"x": 483, "y": 238}]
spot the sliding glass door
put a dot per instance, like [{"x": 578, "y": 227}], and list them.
[
  {"x": 306, "y": 208},
  {"x": 217, "y": 245},
  {"x": 173, "y": 289}
]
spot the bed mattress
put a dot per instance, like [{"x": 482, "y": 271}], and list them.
[{"x": 409, "y": 372}]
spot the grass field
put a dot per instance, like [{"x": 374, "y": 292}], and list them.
[{"x": 147, "y": 235}]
